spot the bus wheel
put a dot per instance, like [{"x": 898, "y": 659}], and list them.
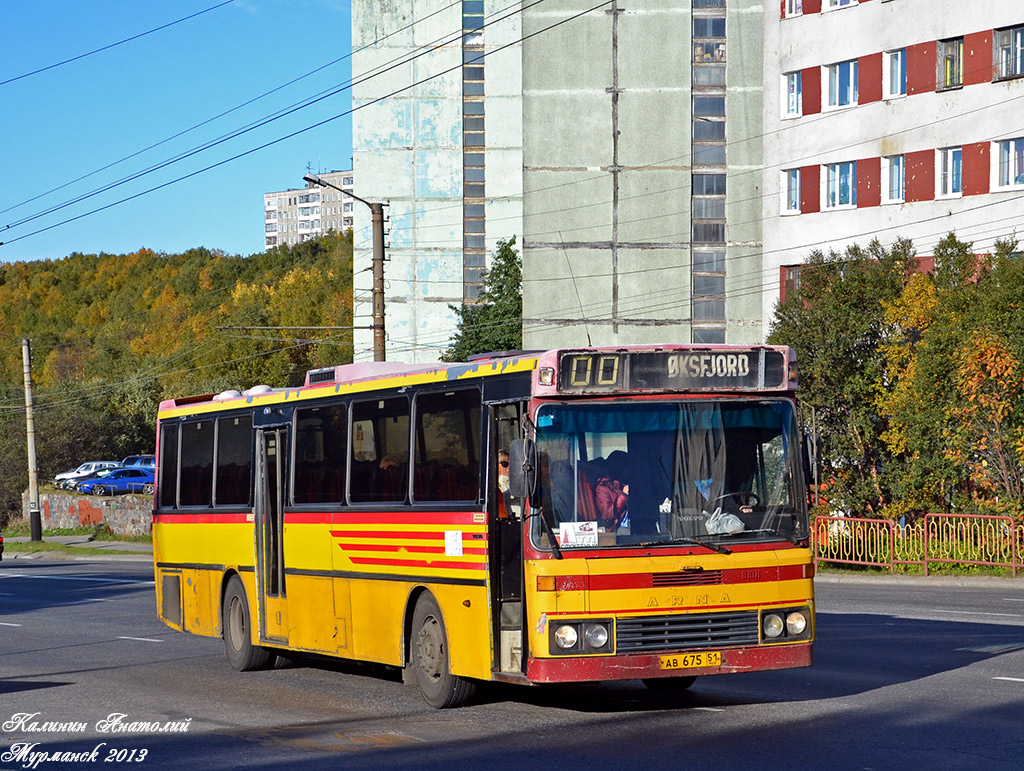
[
  {"x": 429, "y": 659},
  {"x": 668, "y": 684},
  {"x": 242, "y": 654}
]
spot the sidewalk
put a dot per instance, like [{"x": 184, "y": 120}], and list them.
[{"x": 102, "y": 548}]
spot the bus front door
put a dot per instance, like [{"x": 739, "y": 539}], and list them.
[
  {"x": 506, "y": 516},
  {"x": 271, "y": 471}
]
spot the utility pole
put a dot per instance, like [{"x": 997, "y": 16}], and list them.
[
  {"x": 377, "y": 212},
  {"x": 35, "y": 521}
]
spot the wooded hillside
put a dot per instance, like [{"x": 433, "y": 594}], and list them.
[{"x": 113, "y": 334}]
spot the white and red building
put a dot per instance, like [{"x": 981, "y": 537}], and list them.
[{"x": 886, "y": 119}]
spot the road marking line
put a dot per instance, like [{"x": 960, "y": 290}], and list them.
[
  {"x": 978, "y": 613},
  {"x": 13, "y": 574},
  {"x": 997, "y": 648},
  {"x": 1012, "y": 599},
  {"x": 140, "y": 639},
  {"x": 3, "y": 623},
  {"x": 1011, "y": 679},
  {"x": 710, "y": 709},
  {"x": 6, "y": 594}
]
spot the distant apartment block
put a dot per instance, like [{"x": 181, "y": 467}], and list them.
[{"x": 294, "y": 216}]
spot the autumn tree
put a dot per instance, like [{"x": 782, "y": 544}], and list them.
[{"x": 836, "y": 324}]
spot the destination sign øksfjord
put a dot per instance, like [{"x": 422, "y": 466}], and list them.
[{"x": 671, "y": 370}]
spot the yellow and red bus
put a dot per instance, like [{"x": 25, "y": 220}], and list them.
[{"x": 574, "y": 515}]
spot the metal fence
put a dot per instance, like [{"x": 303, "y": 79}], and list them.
[{"x": 944, "y": 539}]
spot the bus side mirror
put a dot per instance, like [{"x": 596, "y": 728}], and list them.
[{"x": 522, "y": 468}]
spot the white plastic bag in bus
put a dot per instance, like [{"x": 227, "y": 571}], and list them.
[{"x": 721, "y": 523}]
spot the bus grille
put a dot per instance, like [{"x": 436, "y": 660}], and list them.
[
  {"x": 669, "y": 633},
  {"x": 687, "y": 578}
]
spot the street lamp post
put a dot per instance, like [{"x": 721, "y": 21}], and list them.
[{"x": 377, "y": 210}]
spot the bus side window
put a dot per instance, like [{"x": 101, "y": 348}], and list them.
[
  {"x": 168, "y": 485},
  {"x": 447, "y": 464},
  {"x": 196, "y": 463},
  {"x": 380, "y": 450},
  {"x": 320, "y": 447}
]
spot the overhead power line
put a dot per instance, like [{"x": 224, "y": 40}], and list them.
[
  {"x": 301, "y": 131},
  {"x": 218, "y": 116},
  {"x": 114, "y": 45},
  {"x": 266, "y": 120}
]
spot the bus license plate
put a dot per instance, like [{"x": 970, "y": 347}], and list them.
[{"x": 691, "y": 660}]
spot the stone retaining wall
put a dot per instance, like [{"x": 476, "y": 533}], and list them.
[{"x": 123, "y": 514}]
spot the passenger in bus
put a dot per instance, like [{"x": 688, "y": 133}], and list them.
[
  {"x": 503, "y": 470},
  {"x": 612, "y": 492},
  {"x": 503, "y": 496}
]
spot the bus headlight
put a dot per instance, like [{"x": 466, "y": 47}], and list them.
[
  {"x": 786, "y": 625},
  {"x": 796, "y": 623},
  {"x": 566, "y": 636},
  {"x": 772, "y": 625},
  {"x": 596, "y": 636}
]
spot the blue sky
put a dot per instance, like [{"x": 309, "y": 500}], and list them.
[{"x": 69, "y": 121}]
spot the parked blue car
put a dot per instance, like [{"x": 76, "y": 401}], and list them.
[{"x": 137, "y": 479}]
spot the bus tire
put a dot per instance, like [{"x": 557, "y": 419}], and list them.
[
  {"x": 668, "y": 684},
  {"x": 428, "y": 658},
  {"x": 242, "y": 654}
]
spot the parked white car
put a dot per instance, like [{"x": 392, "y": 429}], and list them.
[{"x": 67, "y": 480}]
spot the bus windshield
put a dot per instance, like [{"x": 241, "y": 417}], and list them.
[{"x": 628, "y": 473}]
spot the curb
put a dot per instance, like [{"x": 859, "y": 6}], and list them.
[{"x": 1007, "y": 582}]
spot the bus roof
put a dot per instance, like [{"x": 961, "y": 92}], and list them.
[{"x": 371, "y": 376}]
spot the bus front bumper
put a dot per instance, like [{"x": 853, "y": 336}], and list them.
[{"x": 579, "y": 669}]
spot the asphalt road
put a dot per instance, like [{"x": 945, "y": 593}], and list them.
[{"x": 907, "y": 675}]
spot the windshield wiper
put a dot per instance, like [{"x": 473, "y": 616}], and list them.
[
  {"x": 694, "y": 541},
  {"x": 772, "y": 531}
]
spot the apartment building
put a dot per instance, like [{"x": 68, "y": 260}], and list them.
[
  {"x": 294, "y": 216},
  {"x": 886, "y": 119}
]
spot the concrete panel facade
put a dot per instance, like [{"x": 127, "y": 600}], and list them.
[
  {"x": 408, "y": 149},
  {"x": 607, "y": 145}
]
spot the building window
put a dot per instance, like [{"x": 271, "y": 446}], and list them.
[
  {"x": 709, "y": 208},
  {"x": 709, "y": 39},
  {"x": 840, "y": 3},
  {"x": 709, "y": 262},
  {"x": 709, "y": 106},
  {"x": 895, "y": 73},
  {"x": 709, "y": 232},
  {"x": 709, "y": 75},
  {"x": 1009, "y": 48},
  {"x": 893, "y": 181},
  {"x": 709, "y": 184},
  {"x": 950, "y": 164},
  {"x": 271, "y": 227},
  {"x": 793, "y": 85},
  {"x": 708, "y": 309},
  {"x": 791, "y": 188},
  {"x": 794, "y": 8},
  {"x": 951, "y": 63},
  {"x": 842, "y": 84},
  {"x": 1011, "y": 163},
  {"x": 841, "y": 185}
]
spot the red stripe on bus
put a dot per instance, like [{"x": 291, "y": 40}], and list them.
[
  {"x": 396, "y": 534},
  {"x": 729, "y": 577},
  {"x": 308, "y": 517},
  {"x": 203, "y": 519},
  {"x": 396, "y": 548},
  {"x": 410, "y": 518},
  {"x": 418, "y": 563}
]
